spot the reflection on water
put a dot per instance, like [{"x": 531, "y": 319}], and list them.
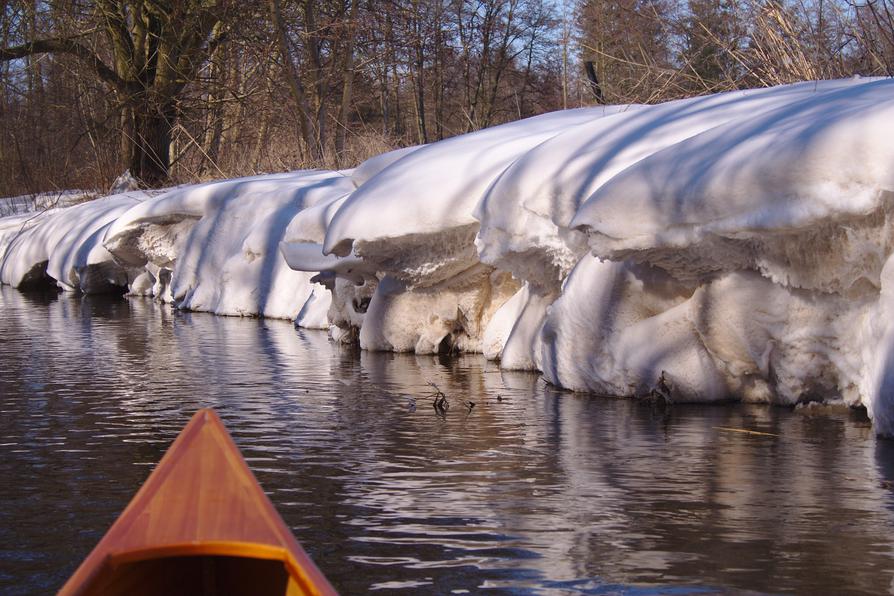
[{"x": 532, "y": 491}]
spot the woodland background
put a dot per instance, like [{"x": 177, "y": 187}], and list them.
[{"x": 200, "y": 89}]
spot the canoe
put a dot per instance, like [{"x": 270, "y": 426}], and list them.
[{"x": 200, "y": 524}]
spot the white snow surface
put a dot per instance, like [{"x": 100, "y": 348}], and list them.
[
  {"x": 526, "y": 216},
  {"x": 738, "y": 246},
  {"x": 219, "y": 243},
  {"x": 43, "y": 201},
  {"x": 755, "y": 192},
  {"x": 377, "y": 163},
  {"x": 437, "y": 186},
  {"x": 746, "y": 261},
  {"x": 413, "y": 221},
  {"x": 65, "y": 245}
]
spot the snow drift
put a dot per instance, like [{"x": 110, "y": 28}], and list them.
[
  {"x": 725, "y": 247},
  {"x": 64, "y": 246},
  {"x": 526, "y": 215},
  {"x": 744, "y": 262},
  {"x": 413, "y": 222},
  {"x": 214, "y": 247}
]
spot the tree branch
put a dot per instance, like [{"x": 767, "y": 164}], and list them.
[{"x": 69, "y": 46}]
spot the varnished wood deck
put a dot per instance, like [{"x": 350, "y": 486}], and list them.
[{"x": 199, "y": 525}]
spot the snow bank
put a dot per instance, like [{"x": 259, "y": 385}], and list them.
[
  {"x": 214, "y": 247},
  {"x": 716, "y": 248},
  {"x": 738, "y": 246},
  {"x": 64, "y": 246},
  {"x": 757, "y": 191},
  {"x": 747, "y": 261},
  {"x": 413, "y": 221},
  {"x": 526, "y": 215},
  {"x": 377, "y": 163},
  {"x": 621, "y": 328},
  {"x": 11, "y": 229},
  {"x": 349, "y": 281},
  {"x": 436, "y": 187}
]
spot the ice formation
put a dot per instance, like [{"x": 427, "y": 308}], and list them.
[
  {"x": 744, "y": 262},
  {"x": 736, "y": 246},
  {"x": 64, "y": 246},
  {"x": 526, "y": 215},
  {"x": 214, "y": 247},
  {"x": 413, "y": 222}
]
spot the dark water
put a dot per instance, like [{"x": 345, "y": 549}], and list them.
[{"x": 537, "y": 492}]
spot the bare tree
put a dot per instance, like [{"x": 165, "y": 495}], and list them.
[{"x": 155, "y": 49}]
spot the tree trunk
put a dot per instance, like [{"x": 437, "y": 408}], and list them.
[
  {"x": 157, "y": 52},
  {"x": 151, "y": 149},
  {"x": 439, "y": 56},
  {"x": 319, "y": 80},
  {"x": 420, "y": 75},
  {"x": 296, "y": 86},
  {"x": 219, "y": 70},
  {"x": 347, "y": 87}
]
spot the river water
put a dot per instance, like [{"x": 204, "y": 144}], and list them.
[{"x": 532, "y": 491}]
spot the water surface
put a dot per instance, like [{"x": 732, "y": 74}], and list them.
[{"x": 532, "y": 491}]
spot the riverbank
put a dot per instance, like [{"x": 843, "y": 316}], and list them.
[{"x": 732, "y": 247}]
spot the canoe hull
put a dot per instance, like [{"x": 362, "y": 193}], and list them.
[{"x": 200, "y": 524}]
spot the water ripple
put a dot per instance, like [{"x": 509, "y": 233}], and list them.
[{"x": 537, "y": 492}]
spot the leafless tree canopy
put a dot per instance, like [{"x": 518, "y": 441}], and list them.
[{"x": 193, "y": 89}]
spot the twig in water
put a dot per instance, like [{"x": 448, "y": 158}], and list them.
[
  {"x": 745, "y": 431},
  {"x": 661, "y": 393},
  {"x": 440, "y": 403}
]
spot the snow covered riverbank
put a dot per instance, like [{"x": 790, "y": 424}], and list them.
[{"x": 734, "y": 246}]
